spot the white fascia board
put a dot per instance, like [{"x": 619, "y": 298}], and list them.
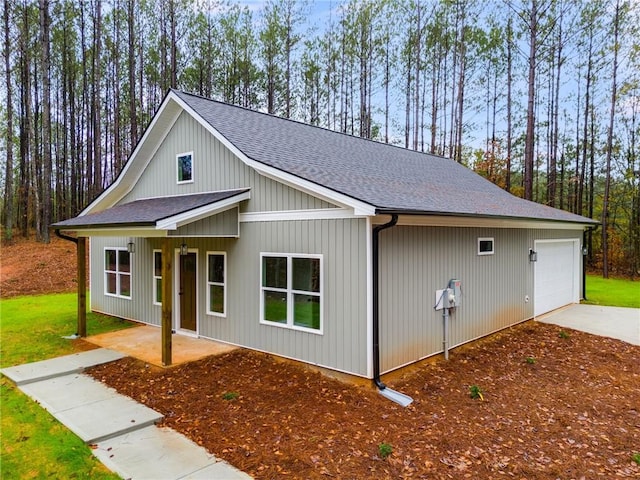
[
  {"x": 176, "y": 221},
  {"x": 359, "y": 207},
  {"x": 312, "y": 214},
  {"x": 486, "y": 222},
  {"x": 139, "y": 159}
]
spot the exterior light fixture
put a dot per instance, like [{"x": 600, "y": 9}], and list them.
[
  {"x": 533, "y": 255},
  {"x": 184, "y": 249},
  {"x": 131, "y": 246},
  {"x": 585, "y": 250}
]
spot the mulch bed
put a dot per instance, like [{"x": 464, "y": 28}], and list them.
[{"x": 554, "y": 406}]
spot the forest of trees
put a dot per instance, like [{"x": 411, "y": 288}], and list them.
[{"x": 542, "y": 97}]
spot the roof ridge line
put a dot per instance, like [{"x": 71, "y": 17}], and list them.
[{"x": 304, "y": 124}]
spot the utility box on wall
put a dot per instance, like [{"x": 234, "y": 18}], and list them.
[
  {"x": 449, "y": 297},
  {"x": 456, "y": 287}
]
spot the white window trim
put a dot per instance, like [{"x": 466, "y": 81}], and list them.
[
  {"x": 223, "y": 285},
  {"x": 291, "y": 292},
  {"x": 155, "y": 277},
  {"x": 184, "y": 154},
  {"x": 487, "y": 239},
  {"x": 118, "y": 273}
]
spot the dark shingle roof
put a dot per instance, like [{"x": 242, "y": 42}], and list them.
[
  {"x": 390, "y": 178},
  {"x": 148, "y": 211}
]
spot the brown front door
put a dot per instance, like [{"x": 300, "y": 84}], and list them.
[{"x": 188, "y": 292}]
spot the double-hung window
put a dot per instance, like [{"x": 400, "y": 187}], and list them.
[
  {"x": 216, "y": 284},
  {"x": 117, "y": 272},
  {"x": 291, "y": 291},
  {"x": 157, "y": 277}
]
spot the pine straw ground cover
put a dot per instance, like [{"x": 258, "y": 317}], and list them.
[{"x": 555, "y": 404}]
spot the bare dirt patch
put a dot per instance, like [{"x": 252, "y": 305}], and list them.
[
  {"x": 554, "y": 406},
  {"x": 28, "y": 267}
]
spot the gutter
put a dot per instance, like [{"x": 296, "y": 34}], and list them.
[{"x": 392, "y": 395}]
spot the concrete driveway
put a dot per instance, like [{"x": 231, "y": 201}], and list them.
[{"x": 614, "y": 322}]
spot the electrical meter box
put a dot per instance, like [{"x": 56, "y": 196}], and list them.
[
  {"x": 449, "y": 297},
  {"x": 455, "y": 294}
]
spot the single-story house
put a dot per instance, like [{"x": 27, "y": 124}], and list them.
[{"x": 263, "y": 232}]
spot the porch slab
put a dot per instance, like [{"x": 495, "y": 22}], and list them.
[{"x": 145, "y": 343}]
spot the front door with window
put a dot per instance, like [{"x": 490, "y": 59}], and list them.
[{"x": 187, "y": 292}]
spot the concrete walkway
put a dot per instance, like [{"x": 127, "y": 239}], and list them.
[
  {"x": 614, "y": 322},
  {"x": 121, "y": 431}
]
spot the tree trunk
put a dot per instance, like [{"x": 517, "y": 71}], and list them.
[
  {"x": 8, "y": 186},
  {"x": 46, "y": 120},
  {"x": 507, "y": 185},
  {"x": 529, "y": 145},
  {"x": 612, "y": 113},
  {"x": 133, "y": 116}
]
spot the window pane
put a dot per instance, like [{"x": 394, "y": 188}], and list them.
[
  {"x": 306, "y": 274},
  {"x": 158, "y": 298},
  {"x": 216, "y": 268},
  {"x": 306, "y": 311},
  {"x": 275, "y": 306},
  {"x": 216, "y": 299},
  {"x": 486, "y": 246},
  {"x": 123, "y": 261},
  {"x": 157, "y": 264},
  {"x": 125, "y": 285},
  {"x": 274, "y": 272},
  {"x": 111, "y": 283},
  {"x": 110, "y": 260},
  {"x": 184, "y": 168}
]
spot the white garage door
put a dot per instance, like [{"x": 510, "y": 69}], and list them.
[{"x": 557, "y": 275}]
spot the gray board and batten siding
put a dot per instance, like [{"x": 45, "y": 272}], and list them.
[
  {"x": 497, "y": 290},
  {"x": 343, "y": 343},
  {"x": 215, "y": 168},
  {"x": 297, "y": 169}
]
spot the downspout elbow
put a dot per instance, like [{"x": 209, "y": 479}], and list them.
[{"x": 61, "y": 235}]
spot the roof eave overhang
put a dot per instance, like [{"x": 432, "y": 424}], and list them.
[
  {"x": 439, "y": 219},
  {"x": 159, "y": 228},
  {"x": 115, "y": 230}
]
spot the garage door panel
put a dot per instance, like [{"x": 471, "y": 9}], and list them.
[{"x": 556, "y": 274}]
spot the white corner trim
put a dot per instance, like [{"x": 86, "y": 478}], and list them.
[
  {"x": 172, "y": 223},
  {"x": 359, "y": 207},
  {"x": 311, "y": 214}
]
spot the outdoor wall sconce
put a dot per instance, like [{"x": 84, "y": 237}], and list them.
[
  {"x": 533, "y": 255},
  {"x": 184, "y": 249},
  {"x": 131, "y": 246},
  {"x": 585, "y": 251}
]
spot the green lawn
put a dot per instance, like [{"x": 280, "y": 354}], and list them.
[
  {"x": 613, "y": 292},
  {"x": 34, "y": 444}
]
